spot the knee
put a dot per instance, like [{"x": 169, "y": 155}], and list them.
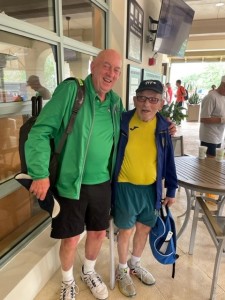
[
  {"x": 97, "y": 235},
  {"x": 70, "y": 243},
  {"x": 124, "y": 234},
  {"x": 142, "y": 229}
]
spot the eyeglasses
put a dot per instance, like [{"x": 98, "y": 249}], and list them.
[{"x": 151, "y": 100}]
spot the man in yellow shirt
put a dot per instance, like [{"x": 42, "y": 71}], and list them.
[{"x": 145, "y": 157}]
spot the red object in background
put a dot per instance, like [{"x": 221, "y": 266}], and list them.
[{"x": 151, "y": 61}]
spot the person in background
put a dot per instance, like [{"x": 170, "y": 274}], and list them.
[
  {"x": 212, "y": 119},
  {"x": 213, "y": 87},
  {"x": 34, "y": 82},
  {"x": 165, "y": 95},
  {"x": 180, "y": 94},
  {"x": 170, "y": 92},
  {"x": 145, "y": 157}
]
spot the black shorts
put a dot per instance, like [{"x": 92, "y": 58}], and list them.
[
  {"x": 211, "y": 150},
  {"x": 91, "y": 210}
]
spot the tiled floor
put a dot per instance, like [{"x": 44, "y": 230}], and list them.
[{"x": 193, "y": 272}]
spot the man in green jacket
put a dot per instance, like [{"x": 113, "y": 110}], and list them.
[{"x": 85, "y": 166}]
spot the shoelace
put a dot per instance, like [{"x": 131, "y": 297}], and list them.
[
  {"x": 125, "y": 276},
  {"x": 68, "y": 290},
  {"x": 93, "y": 279}
]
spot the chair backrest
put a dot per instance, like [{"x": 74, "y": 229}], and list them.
[
  {"x": 214, "y": 221},
  {"x": 178, "y": 145}
]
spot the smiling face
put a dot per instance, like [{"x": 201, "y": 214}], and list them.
[
  {"x": 105, "y": 70},
  {"x": 146, "y": 110}
]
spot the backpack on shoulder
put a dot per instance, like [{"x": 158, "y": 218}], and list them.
[
  {"x": 162, "y": 238},
  {"x": 50, "y": 203},
  {"x": 186, "y": 95},
  {"x": 26, "y": 127}
]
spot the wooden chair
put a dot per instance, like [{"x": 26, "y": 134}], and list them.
[{"x": 215, "y": 224}]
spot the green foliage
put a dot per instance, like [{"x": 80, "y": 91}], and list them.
[
  {"x": 194, "y": 99},
  {"x": 175, "y": 112},
  {"x": 211, "y": 74}
]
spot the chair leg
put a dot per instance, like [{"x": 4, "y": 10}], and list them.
[
  {"x": 112, "y": 255},
  {"x": 219, "y": 255},
  {"x": 221, "y": 204},
  {"x": 194, "y": 227}
]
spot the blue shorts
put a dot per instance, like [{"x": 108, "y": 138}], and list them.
[
  {"x": 211, "y": 150},
  {"x": 134, "y": 203}
]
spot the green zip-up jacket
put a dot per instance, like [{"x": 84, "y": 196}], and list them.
[{"x": 52, "y": 122}]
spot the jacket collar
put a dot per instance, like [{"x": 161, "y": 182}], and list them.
[{"x": 162, "y": 123}]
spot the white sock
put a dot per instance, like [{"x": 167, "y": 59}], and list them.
[
  {"x": 134, "y": 260},
  {"x": 67, "y": 276},
  {"x": 123, "y": 266},
  {"x": 89, "y": 265}
]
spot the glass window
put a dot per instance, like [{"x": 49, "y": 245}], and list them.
[
  {"x": 37, "y": 13},
  {"x": 84, "y": 21},
  {"x": 76, "y": 64},
  {"x": 27, "y": 68}
]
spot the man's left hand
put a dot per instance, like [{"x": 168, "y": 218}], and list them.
[
  {"x": 172, "y": 128},
  {"x": 169, "y": 201}
]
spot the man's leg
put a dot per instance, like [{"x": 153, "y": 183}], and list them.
[
  {"x": 93, "y": 243},
  {"x": 123, "y": 244},
  {"x": 88, "y": 274},
  {"x": 139, "y": 242},
  {"x": 67, "y": 253},
  {"x": 125, "y": 283},
  {"x": 97, "y": 221},
  {"x": 140, "y": 238}
]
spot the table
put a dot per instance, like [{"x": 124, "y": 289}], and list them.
[{"x": 200, "y": 175}]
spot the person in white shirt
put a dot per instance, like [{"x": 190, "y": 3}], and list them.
[{"x": 212, "y": 121}]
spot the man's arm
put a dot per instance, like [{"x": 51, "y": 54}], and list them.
[{"x": 213, "y": 120}]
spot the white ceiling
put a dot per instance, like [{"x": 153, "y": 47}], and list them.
[
  {"x": 207, "y": 35},
  {"x": 207, "y": 9}
]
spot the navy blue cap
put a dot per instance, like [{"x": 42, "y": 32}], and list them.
[{"x": 152, "y": 85}]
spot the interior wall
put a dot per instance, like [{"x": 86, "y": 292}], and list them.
[{"x": 118, "y": 38}]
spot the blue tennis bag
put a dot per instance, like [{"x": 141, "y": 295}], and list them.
[{"x": 162, "y": 238}]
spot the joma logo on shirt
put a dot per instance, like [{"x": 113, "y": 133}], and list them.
[{"x": 134, "y": 128}]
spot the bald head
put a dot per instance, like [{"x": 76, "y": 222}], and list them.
[
  {"x": 105, "y": 54},
  {"x": 105, "y": 70}
]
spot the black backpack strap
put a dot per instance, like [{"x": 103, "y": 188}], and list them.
[
  {"x": 77, "y": 105},
  {"x": 36, "y": 105}
]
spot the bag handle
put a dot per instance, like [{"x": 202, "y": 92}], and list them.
[{"x": 36, "y": 105}]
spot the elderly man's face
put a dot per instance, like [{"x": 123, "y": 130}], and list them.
[{"x": 147, "y": 104}]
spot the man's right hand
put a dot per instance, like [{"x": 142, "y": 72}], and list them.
[{"x": 40, "y": 187}]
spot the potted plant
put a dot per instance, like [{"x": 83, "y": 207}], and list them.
[
  {"x": 194, "y": 103},
  {"x": 175, "y": 112},
  {"x": 194, "y": 99}
]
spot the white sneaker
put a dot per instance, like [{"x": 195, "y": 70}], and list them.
[
  {"x": 141, "y": 273},
  {"x": 68, "y": 291},
  {"x": 95, "y": 284},
  {"x": 125, "y": 283}
]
